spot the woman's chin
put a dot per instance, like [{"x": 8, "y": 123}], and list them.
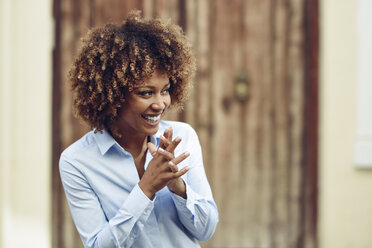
[
  {"x": 152, "y": 127},
  {"x": 153, "y": 130}
]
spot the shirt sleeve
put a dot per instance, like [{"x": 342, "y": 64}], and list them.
[
  {"x": 94, "y": 228},
  {"x": 198, "y": 213}
]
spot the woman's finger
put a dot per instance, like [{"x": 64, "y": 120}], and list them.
[
  {"x": 167, "y": 155},
  {"x": 152, "y": 148},
  {"x": 181, "y": 172},
  {"x": 164, "y": 139},
  {"x": 164, "y": 142},
  {"x": 166, "y": 133},
  {"x": 180, "y": 158},
  {"x": 170, "y": 133},
  {"x": 173, "y": 167},
  {"x": 172, "y": 146}
]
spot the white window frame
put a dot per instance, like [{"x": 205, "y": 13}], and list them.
[{"x": 363, "y": 142}]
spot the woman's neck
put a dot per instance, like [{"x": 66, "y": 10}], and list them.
[
  {"x": 137, "y": 147},
  {"x": 135, "y": 144}
]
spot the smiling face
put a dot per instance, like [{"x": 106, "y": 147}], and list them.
[{"x": 140, "y": 115}]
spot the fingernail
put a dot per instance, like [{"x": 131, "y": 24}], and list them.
[
  {"x": 187, "y": 154},
  {"x": 177, "y": 139},
  {"x": 161, "y": 149}
]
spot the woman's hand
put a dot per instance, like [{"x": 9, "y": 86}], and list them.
[
  {"x": 176, "y": 185},
  {"x": 162, "y": 169}
]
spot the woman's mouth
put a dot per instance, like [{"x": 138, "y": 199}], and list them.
[{"x": 152, "y": 118}]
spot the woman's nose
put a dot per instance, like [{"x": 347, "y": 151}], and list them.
[{"x": 159, "y": 103}]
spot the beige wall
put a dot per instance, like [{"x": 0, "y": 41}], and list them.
[
  {"x": 25, "y": 122},
  {"x": 345, "y": 193}
]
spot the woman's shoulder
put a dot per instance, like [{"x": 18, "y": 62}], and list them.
[
  {"x": 176, "y": 126},
  {"x": 181, "y": 129},
  {"x": 79, "y": 145}
]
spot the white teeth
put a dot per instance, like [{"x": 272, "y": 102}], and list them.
[{"x": 151, "y": 118}]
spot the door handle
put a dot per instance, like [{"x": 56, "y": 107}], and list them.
[{"x": 241, "y": 88}]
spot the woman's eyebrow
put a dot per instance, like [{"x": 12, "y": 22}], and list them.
[{"x": 151, "y": 87}]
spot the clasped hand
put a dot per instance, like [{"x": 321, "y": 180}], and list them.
[{"x": 162, "y": 170}]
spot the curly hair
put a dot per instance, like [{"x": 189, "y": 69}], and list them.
[{"x": 116, "y": 58}]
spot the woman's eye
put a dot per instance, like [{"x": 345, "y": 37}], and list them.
[
  {"x": 145, "y": 93},
  {"x": 166, "y": 91}
]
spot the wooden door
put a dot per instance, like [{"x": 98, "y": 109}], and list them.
[{"x": 254, "y": 106}]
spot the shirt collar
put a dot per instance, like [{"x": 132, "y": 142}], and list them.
[{"x": 105, "y": 141}]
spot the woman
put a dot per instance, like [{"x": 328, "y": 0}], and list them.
[{"x": 128, "y": 182}]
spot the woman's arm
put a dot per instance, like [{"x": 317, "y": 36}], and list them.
[
  {"x": 92, "y": 224},
  {"x": 198, "y": 212}
]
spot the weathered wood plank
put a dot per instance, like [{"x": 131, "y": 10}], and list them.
[
  {"x": 148, "y": 8},
  {"x": 296, "y": 70},
  {"x": 202, "y": 84},
  {"x": 258, "y": 64},
  {"x": 191, "y": 23},
  {"x": 225, "y": 121},
  {"x": 280, "y": 122},
  {"x": 112, "y": 11},
  {"x": 73, "y": 22}
]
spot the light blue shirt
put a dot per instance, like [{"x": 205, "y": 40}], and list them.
[{"x": 109, "y": 209}]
